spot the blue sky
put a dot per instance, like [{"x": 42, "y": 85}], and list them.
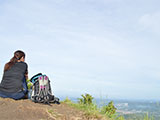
[{"x": 107, "y": 48}]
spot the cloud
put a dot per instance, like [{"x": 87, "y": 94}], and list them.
[
  {"x": 81, "y": 44},
  {"x": 150, "y": 22}
]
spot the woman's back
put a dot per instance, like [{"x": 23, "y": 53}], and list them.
[
  {"x": 13, "y": 78},
  {"x": 13, "y": 84}
]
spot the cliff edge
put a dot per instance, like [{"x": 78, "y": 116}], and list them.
[{"x": 27, "y": 110}]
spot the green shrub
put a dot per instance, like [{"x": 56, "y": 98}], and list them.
[
  {"x": 109, "y": 110},
  {"x": 86, "y": 99},
  {"x": 67, "y": 100}
]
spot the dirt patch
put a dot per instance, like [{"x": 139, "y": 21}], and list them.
[
  {"x": 21, "y": 110},
  {"x": 27, "y": 110}
]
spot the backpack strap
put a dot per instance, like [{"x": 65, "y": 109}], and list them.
[{"x": 35, "y": 77}]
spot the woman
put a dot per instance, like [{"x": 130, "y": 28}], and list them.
[{"x": 13, "y": 84}]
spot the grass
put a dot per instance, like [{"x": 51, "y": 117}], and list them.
[
  {"x": 90, "y": 111},
  {"x": 148, "y": 118},
  {"x": 53, "y": 114}
]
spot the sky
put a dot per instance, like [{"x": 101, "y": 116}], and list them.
[{"x": 107, "y": 48}]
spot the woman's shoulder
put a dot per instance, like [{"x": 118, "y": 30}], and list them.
[{"x": 22, "y": 63}]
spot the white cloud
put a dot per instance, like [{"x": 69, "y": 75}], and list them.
[
  {"x": 150, "y": 22},
  {"x": 81, "y": 42}
]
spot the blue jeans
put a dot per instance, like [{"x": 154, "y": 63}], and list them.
[{"x": 18, "y": 95}]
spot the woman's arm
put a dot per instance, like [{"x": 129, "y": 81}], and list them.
[{"x": 26, "y": 75}]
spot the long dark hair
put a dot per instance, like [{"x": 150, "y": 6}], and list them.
[{"x": 17, "y": 56}]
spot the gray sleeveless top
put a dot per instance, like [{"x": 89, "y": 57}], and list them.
[{"x": 13, "y": 78}]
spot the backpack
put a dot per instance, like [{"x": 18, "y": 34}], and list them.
[{"x": 41, "y": 90}]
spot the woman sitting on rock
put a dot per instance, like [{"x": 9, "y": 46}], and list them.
[{"x": 13, "y": 84}]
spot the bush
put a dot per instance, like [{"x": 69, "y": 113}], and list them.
[
  {"x": 109, "y": 110},
  {"x": 67, "y": 100},
  {"x": 86, "y": 99}
]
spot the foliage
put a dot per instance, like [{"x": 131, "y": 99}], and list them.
[
  {"x": 86, "y": 104},
  {"x": 67, "y": 100},
  {"x": 29, "y": 84},
  {"x": 120, "y": 118},
  {"x": 90, "y": 109},
  {"x": 146, "y": 117},
  {"x": 140, "y": 116},
  {"x": 86, "y": 99},
  {"x": 109, "y": 110}
]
